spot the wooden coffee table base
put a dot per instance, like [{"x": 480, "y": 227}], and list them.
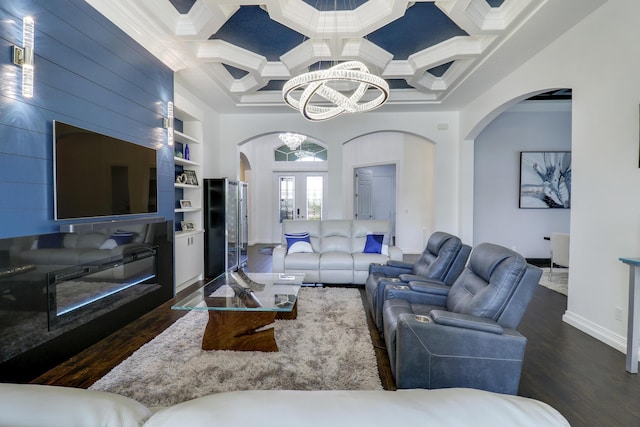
[{"x": 236, "y": 330}]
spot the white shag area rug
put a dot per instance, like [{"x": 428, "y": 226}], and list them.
[
  {"x": 558, "y": 281},
  {"x": 328, "y": 347}
]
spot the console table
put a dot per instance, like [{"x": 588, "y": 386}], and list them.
[{"x": 633, "y": 334}]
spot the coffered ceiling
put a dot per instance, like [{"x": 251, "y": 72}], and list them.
[{"x": 239, "y": 53}]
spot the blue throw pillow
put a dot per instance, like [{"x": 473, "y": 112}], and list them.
[
  {"x": 116, "y": 239},
  {"x": 298, "y": 243},
  {"x": 50, "y": 241},
  {"x": 122, "y": 237},
  {"x": 376, "y": 244}
]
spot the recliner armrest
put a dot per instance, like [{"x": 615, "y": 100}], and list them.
[
  {"x": 447, "y": 318},
  {"x": 417, "y": 278},
  {"x": 277, "y": 259},
  {"x": 400, "y": 264},
  {"x": 403, "y": 291},
  {"x": 429, "y": 287},
  {"x": 388, "y": 270}
]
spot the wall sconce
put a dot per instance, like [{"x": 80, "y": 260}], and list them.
[
  {"x": 23, "y": 56},
  {"x": 168, "y": 123}
]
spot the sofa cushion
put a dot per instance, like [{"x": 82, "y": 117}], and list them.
[
  {"x": 282, "y": 408},
  {"x": 302, "y": 261},
  {"x": 336, "y": 261},
  {"x": 335, "y": 236},
  {"x": 298, "y": 243},
  {"x": 90, "y": 240},
  {"x": 361, "y": 261},
  {"x": 43, "y": 406}
]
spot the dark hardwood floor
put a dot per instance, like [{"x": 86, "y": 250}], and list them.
[{"x": 578, "y": 375}]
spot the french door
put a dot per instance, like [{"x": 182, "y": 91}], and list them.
[{"x": 300, "y": 195}]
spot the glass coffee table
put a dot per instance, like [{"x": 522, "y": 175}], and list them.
[{"x": 239, "y": 304}]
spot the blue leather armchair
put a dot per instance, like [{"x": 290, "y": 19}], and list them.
[
  {"x": 439, "y": 265},
  {"x": 471, "y": 341}
]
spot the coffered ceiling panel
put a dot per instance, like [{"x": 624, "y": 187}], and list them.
[{"x": 243, "y": 51}]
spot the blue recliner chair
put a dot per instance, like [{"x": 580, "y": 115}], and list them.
[
  {"x": 439, "y": 265},
  {"x": 471, "y": 341}
]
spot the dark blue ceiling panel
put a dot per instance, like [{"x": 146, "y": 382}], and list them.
[
  {"x": 183, "y": 6},
  {"x": 440, "y": 69},
  {"x": 251, "y": 29},
  {"x": 274, "y": 85},
  {"x": 422, "y": 26},
  {"x": 236, "y": 73},
  {"x": 495, "y": 3},
  {"x": 398, "y": 84},
  {"x": 327, "y": 5}
]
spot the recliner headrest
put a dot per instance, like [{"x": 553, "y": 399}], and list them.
[
  {"x": 436, "y": 241},
  {"x": 484, "y": 262}
]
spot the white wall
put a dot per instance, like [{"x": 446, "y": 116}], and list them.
[
  {"x": 598, "y": 59},
  {"x": 528, "y": 126},
  {"x": 235, "y": 130},
  {"x": 415, "y": 160},
  {"x": 210, "y": 125}
]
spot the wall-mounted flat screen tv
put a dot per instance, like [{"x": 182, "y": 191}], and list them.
[{"x": 97, "y": 175}]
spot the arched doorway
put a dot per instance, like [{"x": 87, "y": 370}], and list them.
[{"x": 538, "y": 124}]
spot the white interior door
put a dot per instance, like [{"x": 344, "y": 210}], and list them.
[
  {"x": 375, "y": 193},
  {"x": 364, "y": 186},
  {"x": 299, "y": 195}
]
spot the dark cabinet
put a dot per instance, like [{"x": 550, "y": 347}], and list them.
[{"x": 225, "y": 225}]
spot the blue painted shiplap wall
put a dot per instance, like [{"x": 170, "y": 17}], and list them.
[{"x": 88, "y": 73}]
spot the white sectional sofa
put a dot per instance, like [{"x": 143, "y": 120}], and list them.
[
  {"x": 337, "y": 255},
  {"x": 45, "y": 406}
]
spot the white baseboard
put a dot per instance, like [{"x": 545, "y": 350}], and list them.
[{"x": 612, "y": 339}]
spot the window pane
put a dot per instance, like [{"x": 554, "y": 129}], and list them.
[
  {"x": 307, "y": 152},
  {"x": 314, "y": 197},
  {"x": 287, "y": 192}
]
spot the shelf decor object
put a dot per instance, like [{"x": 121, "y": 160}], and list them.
[{"x": 192, "y": 178}]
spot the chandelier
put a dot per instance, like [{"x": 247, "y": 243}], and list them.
[
  {"x": 324, "y": 83},
  {"x": 292, "y": 140}
]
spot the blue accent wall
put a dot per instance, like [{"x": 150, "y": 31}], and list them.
[{"x": 88, "y": 73}]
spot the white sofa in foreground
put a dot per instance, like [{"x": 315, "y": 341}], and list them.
[
  {"x": 47, "y": 406},
  {"x": 339, "y": 250}
]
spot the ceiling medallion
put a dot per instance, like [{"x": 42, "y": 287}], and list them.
[
  {"x": 292, "y": 140},
  {"x": 318, "y": 83}
]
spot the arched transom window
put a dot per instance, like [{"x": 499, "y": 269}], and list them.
[{"x": 307, "y": 152}]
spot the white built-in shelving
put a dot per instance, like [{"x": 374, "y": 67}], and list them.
[{"x": 189, "y": 244}]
